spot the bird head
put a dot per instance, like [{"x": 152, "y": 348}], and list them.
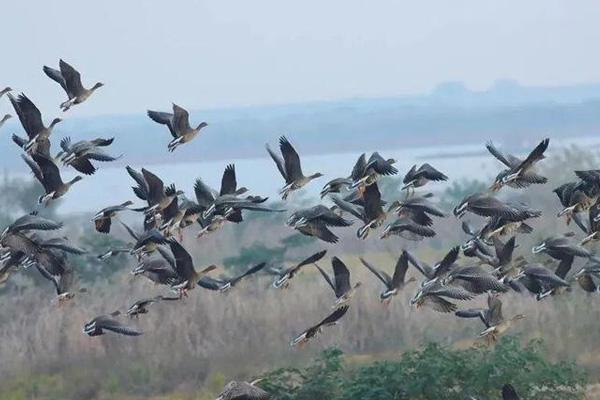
[{"x": 98, "y": 85}]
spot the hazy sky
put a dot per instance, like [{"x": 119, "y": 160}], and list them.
[{"x": 229, "y": 53}]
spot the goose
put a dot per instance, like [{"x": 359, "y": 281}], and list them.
[
  {"x": 519, "y": 173},
  {"x": 284, "y": 275},
  {"x": 588, "y": 277},
  {"x": 159, "y": 270},
  {"x": 225, "y": 284},
  {"x": 408, "y": 229},
  {"x": 417, "y": 208},
  {"x": 336, "y": 185},
  {"x": 47, "y": 173},
  {"x": 313, "y": 331},
  {"x": 560, "y": 247},
  {"x": 151, "y": 189},
  {"x": 146, "y": 242},
  {"x": 393, "y": 284},
  {"x": 103, "y": 218},
  {"x": 418, "y": 177},
  {"x": 492, "y": 318},
  {"x": 485, "y": 205},
  {"x": 539, "y": 280},
  {"x": 474, "y": 279},
  {"x": 366, "y": 172},
  {"x": 371, "y": 213},
  {"x": 31, "y": 119},
  {"x": 235, "y": 390},
  {"x": 340, "y": 282},
  {"x": 141, "y": 306},
  {"x": 80, "y": 154},
  {"x": 184, "y": 268},
  {"x": 435, "y": 294},
  {"x": 290, "y": 168},
  {"x": 53, "y": 266},
  {"x": 498, "y": 226},
  {"x": 102, "y": 323},
  {"x": 315, "y": 221},
  {"x": 70, "y": 80},
  {"x": 178, "y": 123}
]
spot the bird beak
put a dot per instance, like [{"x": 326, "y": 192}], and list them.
[{"x": 538, "y": 249}]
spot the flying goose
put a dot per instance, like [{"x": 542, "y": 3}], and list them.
[
  {"x": 408, "y": 229},
  {"x": 70, "y": 80},
  {"x": 284, "y": 275},
  {"x": 53, "y": 266},
  {"x": 592, "y": 229},
  {"x": 474, "y": 279},
  {"x": 418, "y": 177},
  {"x": 435, "y": 294},
  {"x": 290, "y": 168},
  {"x": 539, "y": 280},
  {"x": 371, "y": 213},
  {"x": 146, "y": 242},
  {"x": 224, "y": 284},
  {"x": 80, "y": 154},
  {"x": 31, "y": 119},
  {"x": 103, "y": 218},
  {"x": 340, "y": 282},
  {"x": 47, "y": 173},
  {"x": 184, "y": 267},
  {"x": 519, "y": 173},
  {"x": 588, "y": 276},
  {"x": 417, "y": 208},
  {"x": 141, "y": 306},
  {"x": 152, "y": 189},
  {"x": 98, "y": 325},
  {"x": 315, "y": 221},
  {"x": 576, "y": 197},
  {"x": 366, "y": 172},
  {"x": 393, "y": 284},
  {"x": 235, "y": 390},
  {"x": 485, "y": 205},
  {"x": 492, "y": 318},
  {"x": 178, "y": 123},
  {"x": 310, "y": 333}
]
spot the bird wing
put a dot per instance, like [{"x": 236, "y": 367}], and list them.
[
  {"x": 291, "y": 160},
  {"x": 509, "y": 392},
  {"x": 334, "y": 316},
  {"x": 204, "y": 194},
  {"x": 424, "y": 269},
  {"x": 431, "y": 173},
  {"x": 72, "y": 79},
  {"x": 163, "y": 118},
  {"x": 278, "y": 162},
  {"x": 249, "y": 272},
  {"x": 327, "y": 278},
  {"x": 536, "y": 155},
  {"x": 473, "y": 313},
  {"x": 156, "y": 187},
  {"x": 504, "y": 251},
  {"x": 50, "y": 172},
  {"x": 342, "y": 276},
  {"x": 499, "y": 155},
  {"x": 29, "y": 115},
  {"x": 117, "y": 327},
  {"x": 99, "y": 155},
  {"x": 210, "y": 283},
  {"x": 83, "y": 165},
  {"x": 181, "y": 120},
  {"x": 228, "y": 182},
  {"x": 184, "y": 265},
  {"x": 400, "y": 270},
  {"x": 381, "y": 165},
  {"x": 381, "y": 275},
  {"x": 130, "y": 231},
  {"x": 141, "y": 191},
  {"x": 34, "y": 222},
  {"x": 310, "y": 260},
  {"x": 347, "y": 206},
  {"x": 57, "y": 77},
  {"x": 372, "y": 199},
  {"x": 359, "y": 168},
  {"x": 410, "y": 175},
  {"x": 564, "y": 266},
  {"x": 447, "y": 262}
]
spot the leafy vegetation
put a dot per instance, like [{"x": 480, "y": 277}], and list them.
[{"x": 433, "y": 372}]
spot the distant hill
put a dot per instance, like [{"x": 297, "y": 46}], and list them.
[{"x": 450, "y": 114}]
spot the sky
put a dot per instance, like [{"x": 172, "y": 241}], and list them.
[{"x": 213, "y": 54}]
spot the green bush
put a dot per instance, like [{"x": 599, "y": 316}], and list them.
[{"x": 434, "y": 372}]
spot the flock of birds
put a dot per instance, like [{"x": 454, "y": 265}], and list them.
[{"x": 489, "y": 265}]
